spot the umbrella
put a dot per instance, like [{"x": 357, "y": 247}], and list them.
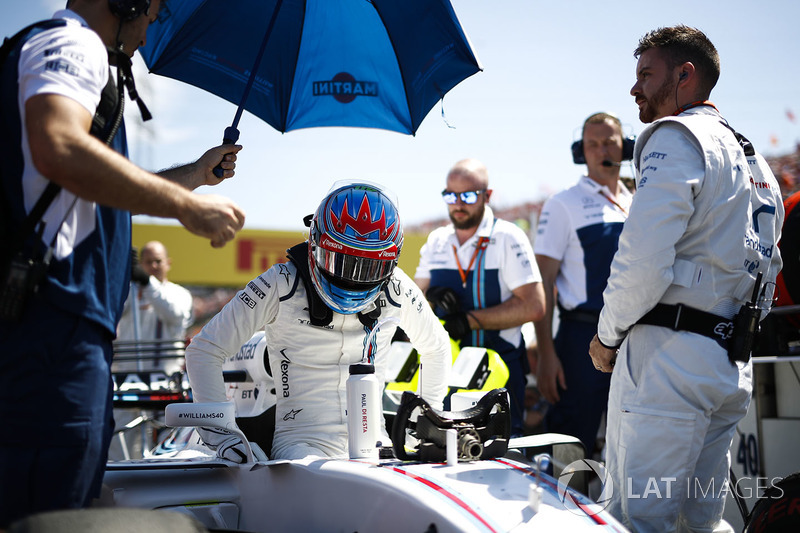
[{"x": 307, "y": 63}]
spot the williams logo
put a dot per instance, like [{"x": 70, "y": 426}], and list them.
[{"x": 344, "y": 88}]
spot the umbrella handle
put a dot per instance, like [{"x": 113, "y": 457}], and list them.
[{"x": 230, "y": 136}]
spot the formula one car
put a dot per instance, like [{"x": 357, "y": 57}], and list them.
[{"x": 447, "y": 470}]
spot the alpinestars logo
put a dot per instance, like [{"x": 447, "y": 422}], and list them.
[
  {"x": 283, "y": 270},
  {"x": 575, "y": 502},
  {"x": 291, "y": 414},
  {"x": 344, "y": 88}
]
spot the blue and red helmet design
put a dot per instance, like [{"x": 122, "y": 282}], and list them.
[
  {"x": 360, "y": 220},
  {"x": 354, "y": 244}
]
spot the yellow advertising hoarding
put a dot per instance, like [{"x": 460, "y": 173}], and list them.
[{"x": 195, "y": 262}]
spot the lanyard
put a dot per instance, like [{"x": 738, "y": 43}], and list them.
[
  {"x": 483, "y": 242},
  {"x": 694, "y": 104},
  {"x": 613, "y": 201}
]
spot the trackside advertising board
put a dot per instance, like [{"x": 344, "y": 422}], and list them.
[{"x": 195, "y": 262}]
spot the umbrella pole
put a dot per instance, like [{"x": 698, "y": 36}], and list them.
[{"x": 231, "y": 134}]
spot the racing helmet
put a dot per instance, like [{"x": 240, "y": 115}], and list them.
[{"x": 354, "y": 242}]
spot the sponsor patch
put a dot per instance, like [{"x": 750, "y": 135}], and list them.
[{"x": 249, "y": 302}]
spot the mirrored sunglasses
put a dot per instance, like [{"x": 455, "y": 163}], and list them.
[{"x": 467, "y": 197}]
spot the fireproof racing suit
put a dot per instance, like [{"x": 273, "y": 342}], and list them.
[
  {"x": 704, "y": 221},
  {"x": 310, "y": 364}
]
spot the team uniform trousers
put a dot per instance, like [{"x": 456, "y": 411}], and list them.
[
  {"x": 674, "y": 404},
  {"x": 55, "y": 402},
  {"x": 581, "y": 405}
]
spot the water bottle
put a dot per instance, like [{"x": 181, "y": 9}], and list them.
[{"x": 363, "y": 412}]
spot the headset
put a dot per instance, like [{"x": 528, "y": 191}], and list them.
[
  {"x": 128, "y": 9},
  {"x": 627, "y": 143}
]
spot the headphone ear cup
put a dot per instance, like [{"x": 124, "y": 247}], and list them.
[
  {"x": 627, "y": 148},
  {"x": 577, "y": 153},
  {"x": 128, "y": 9}
]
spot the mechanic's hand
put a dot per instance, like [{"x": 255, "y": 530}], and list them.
[
  {"x": 603, "y": 357},
  {"x": 224, "y": 156},
  {"x": 138, "y": 273},
  {"x": 214, "y": 217},
  {"x": 457, "y": 325},
  {"x": 227, "y": 446},
  {"x": 444, "y": 298},
  {"x": 550, "y": 375}
]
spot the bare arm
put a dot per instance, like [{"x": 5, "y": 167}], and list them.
[
  {"x": 64, "y": 152},
  {"x": 423, "y": 284},
  {"x": 525, "y": 305},
  {"x": 549, "y": 372},
  {"x": 193, "y": 175}
]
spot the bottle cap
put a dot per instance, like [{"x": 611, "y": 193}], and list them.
[{"x": 362, "y": 368}]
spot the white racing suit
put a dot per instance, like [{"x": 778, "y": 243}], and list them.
[
  {"x": 705, "y": 219},
  {"x": 310, "y": 364}
]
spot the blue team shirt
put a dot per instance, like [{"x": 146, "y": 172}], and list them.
[
  {"x": 580, "y": 227},
  {"x": 91, "y": 278},
  {"x": 503, "y": 262}
]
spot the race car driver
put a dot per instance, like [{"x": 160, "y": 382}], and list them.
[{"x": 317, "y": 311}]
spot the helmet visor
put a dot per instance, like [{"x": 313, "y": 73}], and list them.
[{"x": 350, "y": 272}]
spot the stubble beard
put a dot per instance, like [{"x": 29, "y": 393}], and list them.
[
  {"x": 472, "y": 221},
  {"x": 647, "y": 113}
]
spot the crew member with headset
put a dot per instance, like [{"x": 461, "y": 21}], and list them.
[
  {"x": 575, "y": 242},
  {"x": 65, "y": 220}
]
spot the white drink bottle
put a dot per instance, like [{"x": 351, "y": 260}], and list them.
[{"x": 363, "y": 412}]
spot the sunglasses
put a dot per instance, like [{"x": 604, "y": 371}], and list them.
[{"x": 467, "y": 197}]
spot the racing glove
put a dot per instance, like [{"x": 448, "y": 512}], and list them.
[
  {"x": 227, "y": 446},
  {"x": 457, "y": 325},
  {"x": 443, "y": 298},
  {"x": 138, "y": 274}
]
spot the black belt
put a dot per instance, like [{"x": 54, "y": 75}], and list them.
[
  {"x": 578, "y": 315},
  {"x": 684, "y": 318}
]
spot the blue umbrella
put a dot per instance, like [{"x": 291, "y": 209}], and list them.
[{"x": 308, "y": 63}]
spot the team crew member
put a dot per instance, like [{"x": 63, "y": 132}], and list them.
[
  {"x": 317, "y": 311},
  {"x": 480, "y": 276},
  {"x": 575, "y": 242},
  {"x": 55, "y": 383},
  {"x": 702, "y": 230}
]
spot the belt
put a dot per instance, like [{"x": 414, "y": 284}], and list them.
[
  {"x": 578, "y": 315},
  {"x": 684, "y": 318}
]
